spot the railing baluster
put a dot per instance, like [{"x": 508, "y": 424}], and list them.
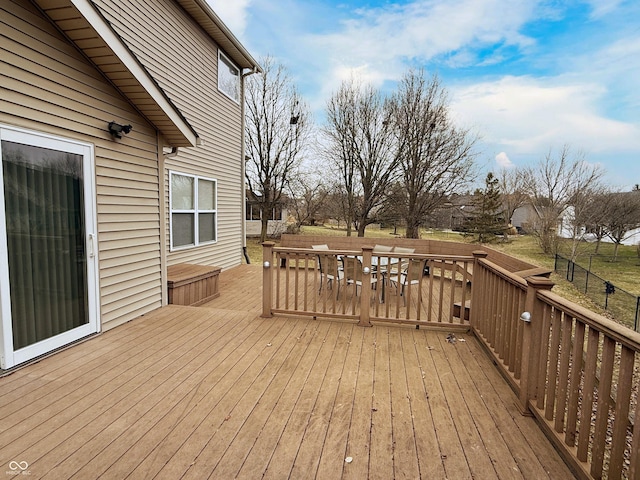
[
  {"x": 452, "y": 289},
  {"x": 574, "y": 393},
  {"x": 584, "y": 435},
  {"x": 465, "y": 281},
  {"x": 441, "y": 292},
  {"x": 543, "y": 360},
  {"x": 554, "y": 353},
  {"x": 432, "y": 270},
  {"x": 563, "y": 374},
  {"x": 602, "y": 409},
  {"x": 634, "y": 463},
  {"x": 621, "y": 419}
]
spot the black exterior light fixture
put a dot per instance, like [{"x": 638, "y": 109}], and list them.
[{"x": 117, "y": 130}]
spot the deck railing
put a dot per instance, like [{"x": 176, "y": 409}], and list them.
[
  {"x": 576, "y": 371},
  {"x": 405, "y": 287}
]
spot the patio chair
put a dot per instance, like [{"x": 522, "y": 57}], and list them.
[
  {"x": 382, "y": 249},
  {"x": 329, "y": 268},
  {"x": 401, "y": 266},
  {"x": 409, "y": 276},
  {"x": 353, "y": 273}
]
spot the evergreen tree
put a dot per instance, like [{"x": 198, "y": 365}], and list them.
[{"x": 487, "y": 218}]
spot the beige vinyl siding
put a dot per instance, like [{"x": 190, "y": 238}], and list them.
[
  {"x": 184, "y": 61},
  {"x": 48, "y": 86}
]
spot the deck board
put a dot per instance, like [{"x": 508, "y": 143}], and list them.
[{"x": 218, "y": 392}]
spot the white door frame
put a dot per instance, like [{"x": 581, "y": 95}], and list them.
[{"x": 8, "y": 357}]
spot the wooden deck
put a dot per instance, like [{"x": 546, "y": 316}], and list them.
[{"x": 217, "y": 392}]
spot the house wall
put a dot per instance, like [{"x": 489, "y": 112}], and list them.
[
  {"x": 48, "y": 86},
  {"x": 274, "y": 227},
  {"x": 632, "y": 237},
  {"x": 524, "y": 217},
  {"x": 184, "y": 61}
]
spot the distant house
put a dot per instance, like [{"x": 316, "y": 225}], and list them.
[
  {"x": 276, "y": 224},
  {"x": 453, "y": 213},
  {"x": 566, "y": 230},
  {"x": 121, "y": 132},
  {"x": 567, "y": 227},
  {"x": 631, "y": 238},
  {"x": 525, "y": 217}
]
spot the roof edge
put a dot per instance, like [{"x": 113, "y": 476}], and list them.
[{"x": 217, "y": 21}]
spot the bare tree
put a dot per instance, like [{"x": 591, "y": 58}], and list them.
[
  {"x": 340, "y": 151},
  {"x": 556, "y": 183},
  {"x": 599, "y": 206},
  {"x": 391, "y": 212},
  {"x": 512, "y": 187},
  {"x": 359, "y": 144},
  {"x": 623, "y": 216},
  {"x": 308, "y": 197},
  {"x": 277, "y": 128},
  {"x": 435, "y": 156},
  {"x": 589, "y": 209}
]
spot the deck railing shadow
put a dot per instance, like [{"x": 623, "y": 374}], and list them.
[{"x": 577, "y": 372}]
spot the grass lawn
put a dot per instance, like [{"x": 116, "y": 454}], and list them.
[{"x": 623, "y": 273}]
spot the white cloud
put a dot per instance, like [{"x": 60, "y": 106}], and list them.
[
  {"x": 530, "y": 115},
  {"x": 503, "y": 160},
  {"x": 380, "y": 43},
  {"x": 421, "y": 30},
  {"x": 600, "y": 8},
  {"x": 232, "y": 13}
]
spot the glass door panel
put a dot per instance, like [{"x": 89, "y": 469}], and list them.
[
  {"x": 46, "y": 251},
  {"x": 49, "y": 270}
]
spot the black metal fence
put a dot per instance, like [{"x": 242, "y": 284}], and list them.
[{"x": 623, "y": 306}]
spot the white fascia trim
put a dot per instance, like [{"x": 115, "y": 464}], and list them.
[{"x": 88, "y": 11}]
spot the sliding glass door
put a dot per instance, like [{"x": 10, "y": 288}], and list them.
[{"x": 48, "y": 291}]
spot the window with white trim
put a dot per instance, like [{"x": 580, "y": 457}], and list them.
[
  {"x": 193, "y": 204},
  {"x": 228, "y": 77}
]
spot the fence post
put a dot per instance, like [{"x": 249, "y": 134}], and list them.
[
  {"x": 573, "y": 270},
  {"x": 365, "y": 294},
  {"x": 635, "y": 324},
  {"x": 586, "y": 282},
  {"x": 475, "y": 305},
  {"x": 531, "y": 341},
  {"x": 267, "y": 278}
]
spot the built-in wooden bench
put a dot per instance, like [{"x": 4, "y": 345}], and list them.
[
  {"x": 457, "y": 309},
  {"x": 193, "y": 285}
]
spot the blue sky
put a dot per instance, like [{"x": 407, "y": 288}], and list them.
[{"x": 527, "y": 76}]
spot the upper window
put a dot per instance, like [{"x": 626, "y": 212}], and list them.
[
  {"x": 228, "y": 77},
  {"x": 193, "y": 203}
]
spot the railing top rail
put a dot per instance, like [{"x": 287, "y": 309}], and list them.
[
  {"x": 331, "y": 251},
  {"x": 617, "y": 332},
  {"x": 504, "y": 273}
]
